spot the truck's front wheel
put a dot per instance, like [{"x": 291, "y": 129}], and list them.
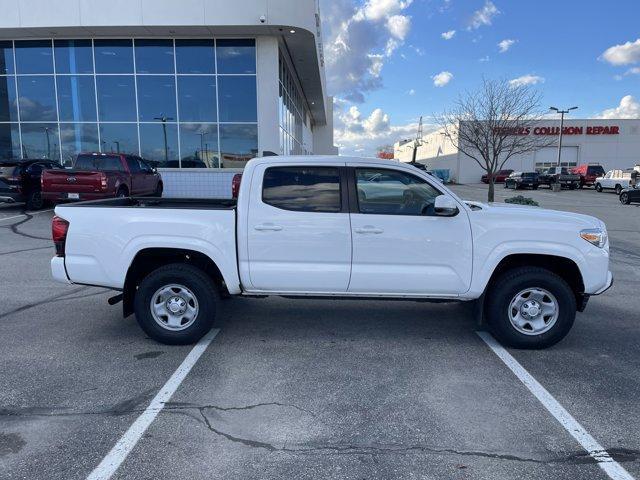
[
  {"x": 176, "y": 304},
  {"x": 530, "y": 307}
]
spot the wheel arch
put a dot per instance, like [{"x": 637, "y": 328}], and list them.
[
  {"x": 564, "y": 267},
  {"x": 149, "y": 259}
]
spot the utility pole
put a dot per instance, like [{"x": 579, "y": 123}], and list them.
[
  {"x": 202, "y": 135},
  {"x": 164, "y": 120},
  {"x": 561, "y": 112},
  {"x": 417, "y": 142},
  {"x": 117, "y": 145}
]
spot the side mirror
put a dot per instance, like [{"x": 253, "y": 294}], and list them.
[{"x": 445, "y": 206}]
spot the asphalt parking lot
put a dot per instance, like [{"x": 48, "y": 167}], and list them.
[{"x": 312, "y": 389}]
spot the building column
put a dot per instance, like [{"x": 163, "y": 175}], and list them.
[{"x": 268, "y": 94}]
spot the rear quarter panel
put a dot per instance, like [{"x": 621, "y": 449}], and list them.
[{"x": 102, "y": 242}]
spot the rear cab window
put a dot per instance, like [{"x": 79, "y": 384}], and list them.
[
  {"x": 303, "y": 189},
  {"x": 99, "y": 163}
]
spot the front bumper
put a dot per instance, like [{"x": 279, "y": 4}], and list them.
[
  {"x": 607, "y": 286},
  {"x": 58, "y": 270}
]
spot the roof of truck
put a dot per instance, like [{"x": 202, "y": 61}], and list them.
[{"x": 315, "y": 159}]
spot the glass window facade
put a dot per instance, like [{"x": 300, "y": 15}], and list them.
[
  {"x": 178, "y": 103},
  {"x": 292, "y": 113}
]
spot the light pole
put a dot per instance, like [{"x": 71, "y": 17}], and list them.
[
  {"x": 164, "y": 120},
  {"x": 561, "y": 112},
  {"x": 46, "y": 131},
  {"x": 202, "y": 135},
  {"x": 117, "y": 145}
]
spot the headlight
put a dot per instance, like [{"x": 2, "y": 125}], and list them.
[{"x": 595, "y": 236}]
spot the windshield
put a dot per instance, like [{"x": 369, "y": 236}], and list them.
[{"x": 98, "y": 163}]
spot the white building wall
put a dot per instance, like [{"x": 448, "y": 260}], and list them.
[{"x": 611, "y": 151}]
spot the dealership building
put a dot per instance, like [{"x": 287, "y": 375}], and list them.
[
  {"x": 197, "y": 87},
  {"x": 614, "y": 144}
]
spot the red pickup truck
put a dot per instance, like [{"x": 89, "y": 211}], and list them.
[{"x": 101, "y": 175}]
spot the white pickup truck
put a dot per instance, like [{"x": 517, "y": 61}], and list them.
[{"x": 335, "y": 227}]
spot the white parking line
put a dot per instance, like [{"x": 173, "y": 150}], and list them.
[
  {"x": 25, "y": 214},
  {"x": 570, "y": 424},
  {"x": 128, "y": 441}
]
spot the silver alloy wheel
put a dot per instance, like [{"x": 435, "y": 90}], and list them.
[
  {"x": 174, "y": 307},
  {"x": 533, "y": 311}
]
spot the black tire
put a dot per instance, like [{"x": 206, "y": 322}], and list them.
[
  {"x": 503, "y": 290},
  {"x": 35, "y": 202},
  {"x": 506, "y": 185},
  {"x": 159, "y": 189},
  {"x": 618, "y": 189},
  {"x": 194, "y": 279},
  {"x": 535, "y": 187},
  {"x": 624, "y": 198},
  {"x": 598, "y": 188},
  {"x": 573, "y": 186},
  {"x": 581, "y": 186},
  {"x": 122, "y": 192}
]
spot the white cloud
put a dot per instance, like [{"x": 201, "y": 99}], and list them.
[
  {"x": 399, "y": 26},
  {"x": 505, "y": 44},
  {"x": 633, "y": 71},
  {"x": 448, "y": 35},
  {"x": 624, "y": 54},
  {"x": 356, "y": 133},
  {"x": 411, "y": 92},
  {"x": 484, "y": 16},
  {"x": 526, "y": 80},
  {"x": 484, "y": 59},
  {"x": 629, "y": 107},
  {"x": 359, "y": 40},
  {"x": 442, "y": 78}
]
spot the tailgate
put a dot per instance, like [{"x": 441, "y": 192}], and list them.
[{"x": 71, "y": 181}]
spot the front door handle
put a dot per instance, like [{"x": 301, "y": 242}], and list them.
[
  {"x": 268, "y": 227},
  {"x": 369, "y": 229}
]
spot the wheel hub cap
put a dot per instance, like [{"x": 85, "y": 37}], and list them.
[
  {"x": 533, "y": 311},
  {"x": 174, "y": 307}
]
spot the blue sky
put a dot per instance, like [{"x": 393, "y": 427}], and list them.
[{"x": 390, "y": 61}]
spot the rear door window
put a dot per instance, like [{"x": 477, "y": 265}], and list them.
[
  {"x": 303, "y": 189},
  {"x": 9, "y": 170}
]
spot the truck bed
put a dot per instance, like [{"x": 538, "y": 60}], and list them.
[{"x": 154, "y": 202}]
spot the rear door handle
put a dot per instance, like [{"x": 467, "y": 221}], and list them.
[
  {"x": 369, "y": 229},
  {"x": 268, "y": 227}
]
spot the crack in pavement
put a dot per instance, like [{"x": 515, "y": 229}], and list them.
[
  {"x": 129, "y": 406},
  {"x": 581, "y": 457},
  {"x": 57, "y": 298},
  {"x": 26, "y": 250},
  {"x": 14, "y": 228}
]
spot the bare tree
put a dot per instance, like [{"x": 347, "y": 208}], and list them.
[{"x": 493, "y": 124}]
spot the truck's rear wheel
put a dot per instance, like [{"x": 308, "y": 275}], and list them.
[
  {"x": 598, "y": 187},
  {"x": 530, "y": 307},
  {"x": 176, "y": 304}
]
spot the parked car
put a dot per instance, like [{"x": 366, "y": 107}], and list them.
[
  {"x": 298, "y": 229},
  {"x": 560, "y": 175},
  {"x": 522, "y": 180},
  {"x": 630, "y": 195},
  {"x": 102, "y": 175},
  {"x": 20, "y": 181},
  {"x": 498, "y": 177},
  {"x": 616, "y": 180},
  {"x": 588, "y": 173}
]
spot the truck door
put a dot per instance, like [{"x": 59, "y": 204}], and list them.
[
  {"x": 136, "y": 175},
  {"x": 399, "y": 245},
  {"x": 299, "y": 235}
]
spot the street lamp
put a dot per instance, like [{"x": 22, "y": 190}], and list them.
[
  {"x": 46, "y": 131},
  {"x": 164, "y": 120},
  {"x": 561, "y": 112}
]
